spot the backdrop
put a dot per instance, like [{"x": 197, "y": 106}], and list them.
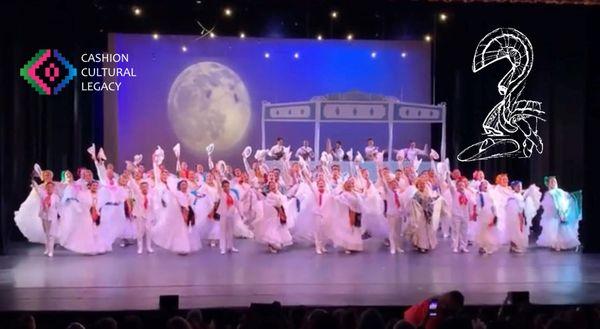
[{"x": 213, "y": 91}]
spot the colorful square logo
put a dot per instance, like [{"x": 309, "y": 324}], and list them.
[{"x": 48, "y": 72}]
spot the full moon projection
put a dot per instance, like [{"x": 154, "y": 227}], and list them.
[{"x": 208, "y": 103}]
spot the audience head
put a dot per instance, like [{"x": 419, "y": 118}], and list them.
[
  {"x": 75, "y": 325},
  {"x": 320, "y": 319},
  {"x": 106, "y": 323},
  {"x": 371, "y": 319},
  {"x": 178, "y": 322},
  {"x": 346, "y": 318},
  {"x": 132, "y": 322},
  {"x": 451, "y": 302},
  {"x": 195, "y": 319},
  {"x": 25, "y": 322}
]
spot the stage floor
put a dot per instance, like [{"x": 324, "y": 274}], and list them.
[{"x": 123, "y": 280}]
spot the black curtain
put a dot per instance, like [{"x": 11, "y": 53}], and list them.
[
  {"x": 53, "y": 131},
  {"x": 562, "y": 78}
]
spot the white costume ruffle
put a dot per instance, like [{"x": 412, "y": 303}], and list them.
[{"x": 28, "y": 220}]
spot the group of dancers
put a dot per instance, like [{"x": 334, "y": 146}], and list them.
[{"x": 283, "y": 202}]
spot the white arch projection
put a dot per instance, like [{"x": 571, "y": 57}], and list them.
[{"x": 355, "y": 107}]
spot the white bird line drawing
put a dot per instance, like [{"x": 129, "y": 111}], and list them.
[
  {"x": 204, "y": 31},
  {"x": 511, "y": 127}
]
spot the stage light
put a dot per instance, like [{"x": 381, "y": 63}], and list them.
[
  {"x": 403, "y": 54},
  {"x": 349, "y": 37},
  {"x": 212, "y": 35},
  {"x": 242, "y": 35},
  {"x": 137, "y": 11},
  {"x": 296, "y": 55},
  {"x": 373, "y": 54},
  {"x": 184, "y": 48},
  {"x": 443, "y": 17},
  {"x": 427, "y": 38},
  {"x": 155, "y": 36},
  {"x": 227, "y": 12},
  {"x": 319, "y": 37},
  {"x": 334, "y": 14},
  {"x": 267, "y": 55}
]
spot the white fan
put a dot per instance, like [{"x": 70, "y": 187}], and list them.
[
  {"x": 210, "y": 148},
  {"x": 177, "y": 150},
  {"x": 92, "y": 150},
  {"x": 159, "y": 155},
  {"x": 287, "y": 153},
  {"x": 359, "y": 158},
  {"x": 38, "y": 170},
  {"x": 137, "y": 159},
  {"x": 324, "y": 157},
  {"x": 247, "y": 152},
  {"x": 400, "y": 155},
  {"x": 349, "y": 154},
  {"x": 222, "y": 166},
  {"x": 101, "y": 154},
  {"x": 260, "y": 155}
]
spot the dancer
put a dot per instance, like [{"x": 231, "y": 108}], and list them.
[
  {"x": 129, "y": 230},
  {"x": 374, "y": 223},
  {"x": 422, "y": 227},
  {"x": 206, "y": 202},
  {"x": 412, "y": 153},
  {"x": 272, "y": 229},
  {"x": 560, "y": 219},
  {"x": 516, "y": 222},
  {"x": 143, "y": 214},
  {"x": 111, "y": 206},
  {"x": 305, "y": 151},
  {"x": 228, "y": 209},
  {"x": 393, "y": 213},
  {"x": 27, "y": 217},
  {"x": 276, "y": 151},
  {"x": 462, "y": 201},
  {"x": 338, "y": 152},
  {"x": 371, "y": 150},
  {"x": 49, "y": 214},
  {"x": 478, "y": 177},
  {"x": 500, "y": 192},
  {"x": 80, "y": 220},
  {"x": 348, "y": 219},
  {"x": 314, "y": 218},
  {"x": 486, "y": 233},
  {"x": 170, "y": 231}
]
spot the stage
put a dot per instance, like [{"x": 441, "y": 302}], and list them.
[{"x": 123, "y": 280}]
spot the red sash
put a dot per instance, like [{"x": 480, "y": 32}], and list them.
[
  {"x": 282, "y": 215},
  {"x": 127, "y": 206},
  {"x": 95, "y": 215},
  {"x": 229, "y": 200},
  {"x": 473, "y": 217},
  {"x": 47, "y": 201},
  {"x": 462, "y": 199}
]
